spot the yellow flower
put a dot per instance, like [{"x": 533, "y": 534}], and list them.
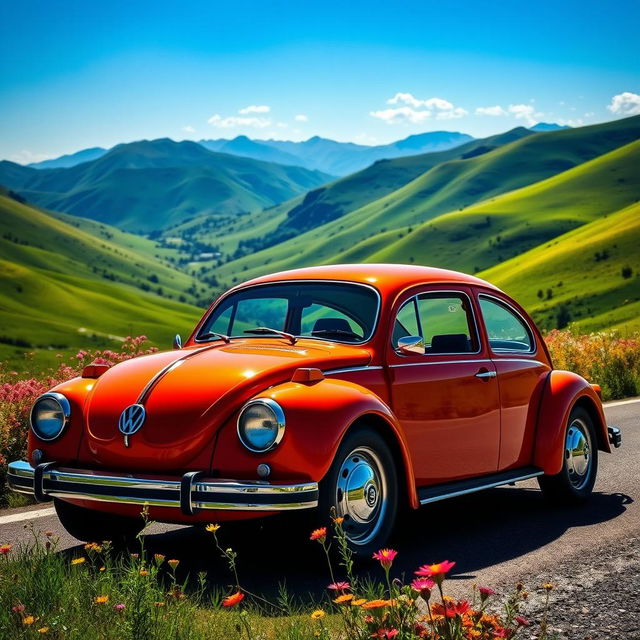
[
  {"x": 78, "y": 560},
  {"x": 28, "y": 620},
  {"x": 547, "y": 586},
  {"x": 359, "y": 602},
  {"x": 158, "y": 604},
  {"x": 212, "y": 528},
  {"x": 318, "y": 614},
  {"x": 101, "y": 599},
  {"x": 344, "y": 598},
  {"x": 102, "y": 569},
  {"x": 93, "y": 546},
  {"x": 43, "y": 629}
]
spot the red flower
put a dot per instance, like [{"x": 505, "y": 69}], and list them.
[
  {"x": 339, "y": 586},
  {"x": 4, "y": 549},
  {"x": 233, "y": 599},
  {"x": 387, "y": 634},
  {"x": 523, "y": 622},
  {"x": 435, "y": 571},
  {"x": 319, "y": 534},
  {"x": 461, "y": 607},
  {"x": 485, "y": 592},
  {"x": 385, "y": 557}
]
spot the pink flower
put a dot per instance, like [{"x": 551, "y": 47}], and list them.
[
  {"x": 119, "y": 607},
  {"x": 385, "y": 557},
  {"x": 423, "y": 586},
  {"x": 386, "y": 634},
  {"x": 485, "y": 592},
  {"x": 523, "y": 622},
  {"x": 339, "y": 586},
  {"x": 435, "y": 571}
]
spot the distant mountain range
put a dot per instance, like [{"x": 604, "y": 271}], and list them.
[
  {"x": 71, "y": 159},
  {"x": 150, "y": 185}
]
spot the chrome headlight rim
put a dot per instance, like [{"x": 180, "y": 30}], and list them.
[
  {"x": 278, "y": 413},
  {"x": 65, "y": 408}
]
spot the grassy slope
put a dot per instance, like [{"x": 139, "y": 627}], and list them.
[
  {"x": 594, "y": 290},
  {"x": 49, "y": 294},
  {"x": 451, "y": 185}
]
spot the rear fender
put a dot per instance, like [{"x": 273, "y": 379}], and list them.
[
  {"x": 563, "y": 391},
  {"x": 318, "y": 416}
]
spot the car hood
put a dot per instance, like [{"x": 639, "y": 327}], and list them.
[{"x": 189, "y": 394}]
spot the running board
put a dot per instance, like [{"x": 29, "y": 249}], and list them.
[{"x": 470, "y": 485}]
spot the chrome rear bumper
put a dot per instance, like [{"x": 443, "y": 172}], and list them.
[
  {"x": 615, "y": 436},
  {"x": 190, "y": 493}
]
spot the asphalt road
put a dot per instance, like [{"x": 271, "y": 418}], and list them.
[{"x": 496, "y": 537}]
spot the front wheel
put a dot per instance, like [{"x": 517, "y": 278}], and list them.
[
  {"x": 362, "y": 487},
  {"x": 95, "y": 526},
  {"x": 575, "y": 481}
]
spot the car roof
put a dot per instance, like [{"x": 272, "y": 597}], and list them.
[{"x": 387, "y": 278}]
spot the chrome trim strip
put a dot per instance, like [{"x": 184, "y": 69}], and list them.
[
  {"x": 489, "y": 485},
  {"x": 422, "y": 364},
  {"x": 205, "y": 494},
  {"x": 350, "y": 369},
  {"x": 292, "y": 280}
]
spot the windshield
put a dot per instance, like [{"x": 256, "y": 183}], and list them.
[{"x": 336, "y": 311}]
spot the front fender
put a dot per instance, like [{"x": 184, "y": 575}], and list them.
[
  {"x": 563, "y": 390},
  {"x": 318, "y": 415}
]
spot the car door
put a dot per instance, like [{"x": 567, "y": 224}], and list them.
[
  {"x": 522, "y": 367},
  {"x": 446, "y": 399}
]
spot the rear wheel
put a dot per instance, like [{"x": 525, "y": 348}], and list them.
[
  {"x": 362, "y": 487},
  {"x": 575, "y": 481},
  {"x": 94, "y": 526}
]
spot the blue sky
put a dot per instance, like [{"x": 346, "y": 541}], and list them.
[{"x": 75, "y": 74}]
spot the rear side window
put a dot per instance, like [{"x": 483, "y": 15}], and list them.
[{"x": 506, "y": 330}]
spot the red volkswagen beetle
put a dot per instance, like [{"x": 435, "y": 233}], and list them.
[{"x": 364, "y": 388}]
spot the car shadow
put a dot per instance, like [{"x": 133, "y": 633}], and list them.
[{"x": 476, "y": 531}]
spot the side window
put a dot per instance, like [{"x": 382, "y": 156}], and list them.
[
  {"x": 406, "y": 323},
  {"x": 506, "y": 331},
  {"x": 447, "y": 323}
]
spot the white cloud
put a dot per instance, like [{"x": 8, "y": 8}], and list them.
[
  {"x": 230, "y": 122},
  {"x": 625, "y": 104},
  {"x": 415, "y": 110},
  {"x": 301, "y": 117},
  {"x": 188, "y": 129},
  {"x": 27, "y": 157},
  {"x": 525, "y": 112},
  {"x": 255, "y": 108},
  {"x": 496, "y": 110}
]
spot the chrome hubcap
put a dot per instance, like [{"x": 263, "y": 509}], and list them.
[
  {"x": 361, "y": 494},
  {"x": 578, "y": 453}
]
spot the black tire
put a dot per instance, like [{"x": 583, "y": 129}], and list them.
[
  {"x": 363, "y": 458},
  {"x": 95, "y": 526},
  {"x": 574, "y": 483}
]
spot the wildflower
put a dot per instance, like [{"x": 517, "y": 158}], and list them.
[
  {"x": 158, "y": 604},
  {"x": 144, "y": 572},
  {"x": 43, "y": 629},
  {"x": 135, "y": 556},
  {"x": 435, "y": 571},
  {"x": 359, "y": 602},
  {"x": 500, "y": 633},
  {"x": 78, "y": 561},
  {"x": 101, "y": 599},
  {"x": 485, "y": 592},
  {"x": 18, "y": 608},
  {"x": 338, "y": 521},
  {"x": 344, "y": 598},
  {"x": 319, "y": 534},
  {"x": 522, "y": 622},
  {"x": 4, "y": 549},
  {"x": 318, "y": 614},
  {"x": 547, "y": 586},
  {"x": 49, "y": 534},
  {"x": 212, "y": 528},
  {"x": 385, "y": 557},
  {"x": 387, "y": 634},
  {"x": 423, "y": 586},
  {"x": 158, "y": 558},
  {"x": 339, "y": 586},
  {"x": 102, "y": 569},
  {"x": 28, "y": 620},
  {"x": 92, "y": 546},
  {"x": 119, "y": 607},
  {"x": 233, "y": 599},
  {"x": 173, "y": 563},
  {"x": 375, "y": 604}
]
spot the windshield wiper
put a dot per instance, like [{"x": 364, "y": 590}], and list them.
[
  {"x": 268, "y": 330},
  {"x": 336, "y": 332},
  {"x": 215, "y": 334}
]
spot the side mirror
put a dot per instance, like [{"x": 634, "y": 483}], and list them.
[
  {"x": 411, "y": 345},
  {"x": 177, "y": 341}
]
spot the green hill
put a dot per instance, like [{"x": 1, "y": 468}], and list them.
[
  {"x": 150, "y": 185},
  {"x": 391, "y": 221},
  {"x": 62, "y": 288}
]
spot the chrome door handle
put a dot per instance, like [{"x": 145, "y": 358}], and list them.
[{"x": 486, "y": 374}]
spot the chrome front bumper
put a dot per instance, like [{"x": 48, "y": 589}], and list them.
[{"x": 190, "y": 493}]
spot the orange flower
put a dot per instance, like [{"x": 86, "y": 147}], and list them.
[
  {"x": 385, "y": 557},
  {"x": 4, "y": 549},
  {"x": 43, "y": 629},
  {"x": 144, "y": 572},
  {"x": 158, "y": 604},
  {"x": 28, "y": 620},
  {"x": 101, "y": 599},
  {"x": 233, "y": 599},
  {"x": 338, "y": 521},
  {"x": 158, "y": 558},
  {"x": 344, "y": 598},
  {"x": 173, "y": 563},
  {"x": 319, "y": 534},
  {"x": 375, "y": 604}
]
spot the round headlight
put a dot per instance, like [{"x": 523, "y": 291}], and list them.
[
  {"x": 49, "y": 416},
  {"x": 261, "y": 425}
]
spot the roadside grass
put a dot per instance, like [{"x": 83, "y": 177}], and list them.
[{"x": 106, "y": 593}]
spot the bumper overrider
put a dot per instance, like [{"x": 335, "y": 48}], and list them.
[{"x": 193, "y": 492}]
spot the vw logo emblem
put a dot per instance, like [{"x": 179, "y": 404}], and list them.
[{"x": 131, "y": 419}]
